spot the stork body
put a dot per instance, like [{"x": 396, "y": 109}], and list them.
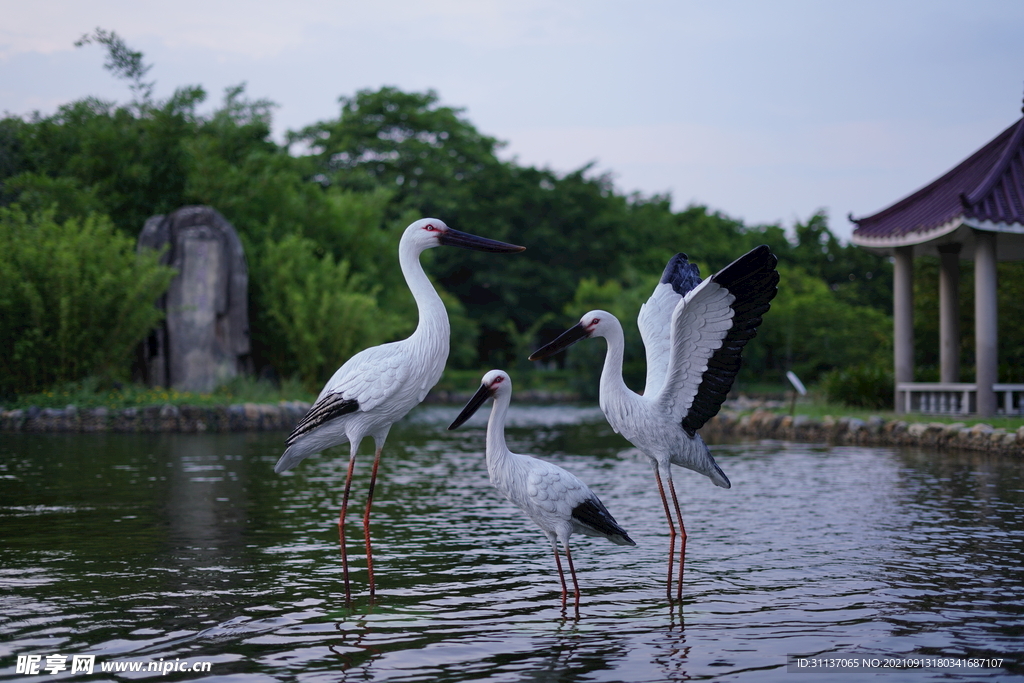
[
  {"x": 556, "y": 500},
  {"x": 693, "y": 332},
  {"x": 378, "y": 386}
]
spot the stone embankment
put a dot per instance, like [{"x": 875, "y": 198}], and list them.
[
  {"x": 729, "y": 424},
  {"x": 875, "y": 431},
  {"x": 239, "y": 417}
]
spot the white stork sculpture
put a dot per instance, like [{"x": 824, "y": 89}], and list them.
[
  {"x": 558, "y": 502},
  {"x": 693, "y": 333},
  {"x": 378, "y": 386}
]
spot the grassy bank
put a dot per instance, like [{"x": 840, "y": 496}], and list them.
[
  {"x": 90, "y": 394},
  {"x": 818, "y": 408}
]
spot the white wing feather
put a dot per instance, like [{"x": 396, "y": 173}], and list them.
[
  {"x": 700, "y": 324},
  {"x": 372, "y": 376},
  {"x": 655, "y": 323},
  {"x": 553, "y": 489}
]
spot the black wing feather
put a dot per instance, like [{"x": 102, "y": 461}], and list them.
[
  {"x": 753, "y": 280},
  {"x": 681, "y": 274},
  {"x": 594, "y": 514},
  {"x": 328, "y": 408}
]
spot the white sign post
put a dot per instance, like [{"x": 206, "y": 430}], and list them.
[{"x": 798, "y": 386}]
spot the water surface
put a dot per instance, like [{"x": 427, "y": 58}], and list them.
[{"x": 189, "y": 547}]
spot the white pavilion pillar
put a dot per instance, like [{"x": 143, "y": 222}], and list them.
[
  {"x": 949, "y": 313},
  {"x": 986, "y": 340},
  {"x": 903, "y": 319}
]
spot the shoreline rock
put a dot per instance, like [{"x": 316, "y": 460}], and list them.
[
  {"x": 237, "y": 417},
  {"x": 728, "y": 424},
  {"x": 765, "y": 424}
]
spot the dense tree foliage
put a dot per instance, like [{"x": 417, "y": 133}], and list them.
[
  {"x": 426, "y": 153},
  {"x": 1010, "y": 278},
  {"x": 75, "y": 299},
  {"x": 320, "y": 216}
]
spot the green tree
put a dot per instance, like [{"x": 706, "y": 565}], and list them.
[
  {"x": 1010, "y": 278},
  {"x": 811, "y": 330},
  {"x": 854, "y": 274},
  {"x": 436, "y": 163},
  {"x": 236, "y": 167},
  {"x": 391, "y": 157},
  {"x": 586, "y": 360},
  {"x": 75, "y": 300},
  {"x": 123, "y": 62},
  {"x": 93, "y": 153},
  {"x": 322, "y": 312},
  {"x": 427, "y": 153}
]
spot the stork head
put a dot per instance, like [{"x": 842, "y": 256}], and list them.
[
  {"x": 427, "y": 233},
  {"x": 497, "y": 382},
  {"x": 592, "y": 324},
  {"x": 494, "y": 384}
]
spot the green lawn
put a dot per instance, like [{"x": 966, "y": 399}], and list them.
[
  {"x": 818, "y": 409},
  {"x": 90, "y": 394}
]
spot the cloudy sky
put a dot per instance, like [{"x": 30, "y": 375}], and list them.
[{"x": 766, "y": 111}]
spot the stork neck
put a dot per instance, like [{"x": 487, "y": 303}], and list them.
[
  {"x": 433, "y": 316},
  {"x": 612, "y": 383},
  {"x": 496, "y": 447}
]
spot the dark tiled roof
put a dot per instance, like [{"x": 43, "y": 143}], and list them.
[{"x": 987, "y": 186}]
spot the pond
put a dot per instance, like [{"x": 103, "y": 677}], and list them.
[{"x": 185, "y": 550}]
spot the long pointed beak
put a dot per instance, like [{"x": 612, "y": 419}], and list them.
[
  {"x": 563, "y": 341},
  {"x": 457, "y": 238},
  {"x": 481, "y": 395}
]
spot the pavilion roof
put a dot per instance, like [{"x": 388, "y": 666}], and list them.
[{"x": 986, "y": 190}]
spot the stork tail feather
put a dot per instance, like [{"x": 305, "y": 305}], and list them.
[
  {"x": 594, "y": 515},
  {"x": 324, "y": 410}
]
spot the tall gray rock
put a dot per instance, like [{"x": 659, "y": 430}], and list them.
[{"x": 204, "y": 338}]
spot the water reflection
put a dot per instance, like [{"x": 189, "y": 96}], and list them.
[{"x": 188, "y": 546}]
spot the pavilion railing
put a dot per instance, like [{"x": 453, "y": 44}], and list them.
[{"x": 956, "y": 398}]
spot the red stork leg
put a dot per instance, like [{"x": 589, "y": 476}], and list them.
[
  {"x": 341, "y": 523},
  {"x": 682, "y": 534},
  {"x": 575, "y": 584},
  {"x": 561, "y": 575},
  {"x": 366, "y": 521},
  {"x": 671, "y": 532}
]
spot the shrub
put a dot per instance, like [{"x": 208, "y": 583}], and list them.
[
  {"x": 586, "y": 360},
  {"x": 317, "y": 313},
  {"x": 75, "y": 299},
  {"x": 865, "y": 386},
  {"x": 812, "y": 330}
]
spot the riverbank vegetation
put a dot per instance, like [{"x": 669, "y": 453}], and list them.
[
  {"x": 94, "y": 392},
  {"x": 320, "y": 214}
]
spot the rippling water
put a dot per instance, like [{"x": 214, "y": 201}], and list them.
[{"x": 190, "y": 548}]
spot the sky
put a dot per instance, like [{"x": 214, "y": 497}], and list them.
[{"x": 765, "y": 111}]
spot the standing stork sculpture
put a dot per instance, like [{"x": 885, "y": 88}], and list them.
[
  {"x": 556, "y": 500},
  {"x": 378, "y": 386},
  {"x": 693, "y": 332}
]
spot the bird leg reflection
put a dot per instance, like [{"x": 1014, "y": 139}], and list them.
[
  {"x": 355, "y": 661},
  {"x": 366, "y": 520}
]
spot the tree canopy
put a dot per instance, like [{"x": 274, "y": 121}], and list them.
[{"x": 320, "y": 214}]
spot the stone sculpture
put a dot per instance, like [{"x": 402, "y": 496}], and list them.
[{"x": 204, "y": 339}]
